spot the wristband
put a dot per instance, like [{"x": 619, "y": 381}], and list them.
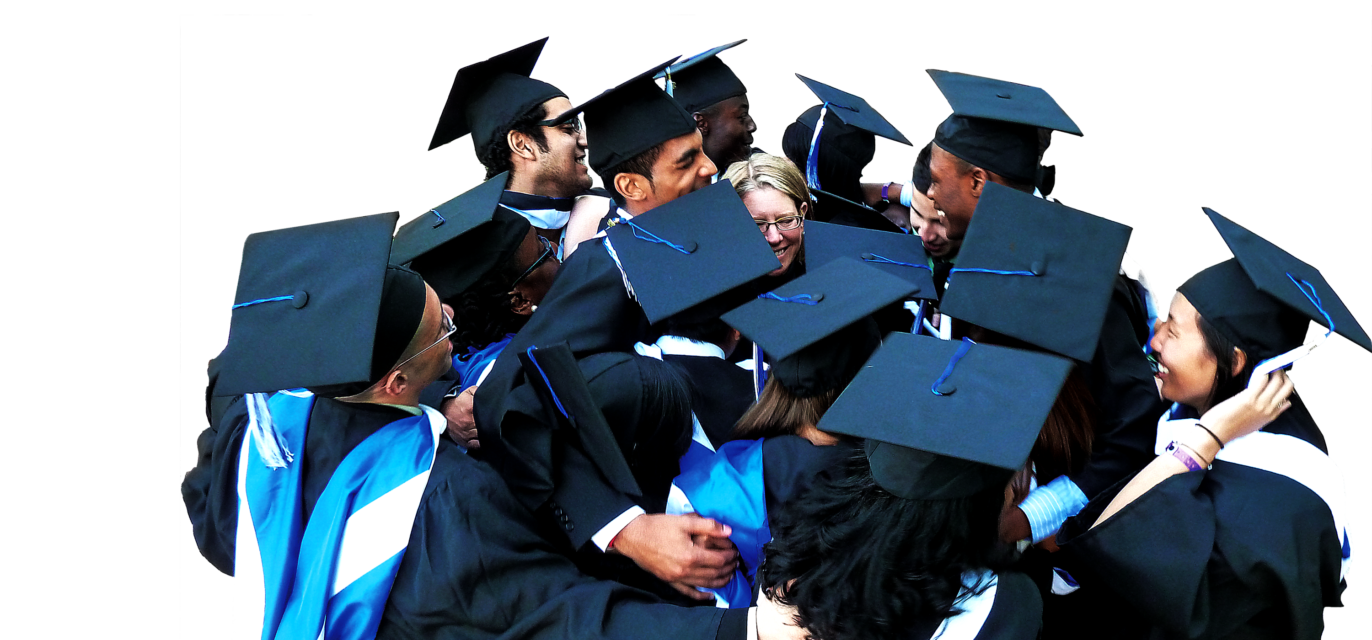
[
  {"x": 1180, "y": 454},
  {"x": 884, "y": 196},
  {"x": 1212, "y": 434}
]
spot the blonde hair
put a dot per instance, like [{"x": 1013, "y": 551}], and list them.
[
  {"x": 763, "y": 170},
  {"x": 779, "y": 412}
]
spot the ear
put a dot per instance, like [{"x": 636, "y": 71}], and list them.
[
  {"x": 632, "y": 186},
  {"x": 804, "y": 209},
  {"x": 521, "y": 145},
  {"x": 979, "y": 178},
  {"x": 519, "y": 304},
  {"x": 702, "y": 124},
  {"x": 395, "y": 383},
  {"x": 1240, "y": 360}
]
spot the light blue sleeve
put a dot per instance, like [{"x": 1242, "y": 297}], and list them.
[{"x": 1048, "y": 506}]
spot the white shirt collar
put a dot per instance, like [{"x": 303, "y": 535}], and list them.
[{"x": 679, "y": 346}]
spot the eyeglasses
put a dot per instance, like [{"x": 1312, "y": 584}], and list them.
[
  {"x": 547, "y": 253},
  {"x": 449, "y": 328},
  {"x": 788, "y": 223},
  {"x": 572, "y": 126}
]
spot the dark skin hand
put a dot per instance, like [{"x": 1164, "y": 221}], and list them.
[{"x": 685, "y": 551}]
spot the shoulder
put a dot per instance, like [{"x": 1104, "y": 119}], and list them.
[{"x": 1017, "y": 611}]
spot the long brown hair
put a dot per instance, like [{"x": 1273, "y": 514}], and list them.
[{"x": 779, "y": 412}]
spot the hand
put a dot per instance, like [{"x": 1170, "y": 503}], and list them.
[
  {"x": 1014, "y": 525},
  {"x": 685, "y": 551},
  {"x": 776, "y": 621},
  {"x": 461, "y": 418},
  {"x": 1250, "y": 410}
]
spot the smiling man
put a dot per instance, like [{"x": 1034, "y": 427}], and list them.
[
  {"x": 710, "y": 91},
  {"x": 510, "y": 118},
  {"x": 649, "y": 152}
]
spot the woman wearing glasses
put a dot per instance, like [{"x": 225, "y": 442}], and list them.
[{"x": 774, "y": 191}]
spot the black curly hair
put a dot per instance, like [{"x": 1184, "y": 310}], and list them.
[
  {"x": 869, "y": 564},
  {"x": 482, "y": 313},
  {"x": 496, "y": 156}
]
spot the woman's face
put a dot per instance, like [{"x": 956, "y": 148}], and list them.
[
  {"x": 768, "y": 205},
  {"x": 1186, "y": 366}
]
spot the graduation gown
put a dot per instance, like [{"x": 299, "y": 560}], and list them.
[
  {"x": 589, "y": 308},
  {"x": 1010, "y": 613},
  {"x": 474, "y": 566},
  {"x": 1236, "y": 551}
]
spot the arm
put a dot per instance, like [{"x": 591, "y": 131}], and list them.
[
  {"x": 585, "y": 219},
  {"x": 210, "y": 490},
  {"x": 1234, "y": 418}
]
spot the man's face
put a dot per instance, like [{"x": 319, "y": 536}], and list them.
[
  {"x": 564, "y": 164},
  {"x": 731, "y": 130},
  {"x": 950, "y": 190},
  {"x": 681, "y": 167},
  {"x": 434, "y": 362},
  {"x": 931, "y": 228}
]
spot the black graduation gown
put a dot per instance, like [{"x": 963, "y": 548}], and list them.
[
  {"x": 589, "y": 309},
  {"x": 1232, "y": 552},
  {"x": 1121, "y": 382},
  {"x": 721, "y": 392},
  {"x": 474, "y": 567}
]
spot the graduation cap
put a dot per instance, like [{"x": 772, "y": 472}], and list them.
[
  {"x": 853, "y": 110},
  {"x": 629, "y": 119},
  {"x": 995, "y": 124},
  {"x": 693, "y": 257},
  {"x": 945, "y": 420},
  {"x": 836, "y": 209},
  {"x": 702, "y": 79},
  {"x": 815, "y": 327},
  {"x": 455, "y": 244},
  {"x": 555, "y": 375},
  {"x": 318, "y": 306},
  {"x": 900, "y": 255},
  {"x": 1264, "y": 298},
  {"x": 1037, "y": 271},
  {"x": 491, "y": 94}
]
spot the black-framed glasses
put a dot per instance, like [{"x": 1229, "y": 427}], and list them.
[
  {"x": 449, "y": 328},
  {"x": 573, "y": 126},
  {"x": 542, "y": 257},
  {"x": 787, "y": 223}
]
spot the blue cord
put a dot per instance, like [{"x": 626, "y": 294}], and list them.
[
  {"x": 556, "y": 401},
  {"x": 1314, "y": 299},
  {"x": 948, "y": 371},
  {"x": 994, "y": 271},
  {"x": 441, "y": 219},
  {"x": 803, "y": 298},
  {"x": 812, "y": 158},
  {"x": 260, "y": 301},
  {"x": 872, "y": 257},
  {"x": 654, "y": 238}
]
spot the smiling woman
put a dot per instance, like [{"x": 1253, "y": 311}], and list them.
[{"x": 775, "y": 194}]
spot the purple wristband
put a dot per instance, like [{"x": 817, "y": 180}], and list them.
[
  {"x": 1177, "y": 452},
  {"x": 884, "y": 196}
]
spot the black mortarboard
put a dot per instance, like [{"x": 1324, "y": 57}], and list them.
[
  {"x": 630, "y": 119},
  {"x": 457, "y": 243},
  {"x": 318, "y": 306},
  {"x": 1264, "y": 299},
  {"x": 555, "y": 375},
  {"x": 974, "y": 437},
  {"x": 995, "y": 124},
  {"x": 898, "y": 254},
  {"x": 703, "y": 79},
  {"x": 1073, "y": 257},
  {"x": 836, "y": 209},
  {"x": 724, "y": 254},
  {"x": 811, "y": 326},
  {"x": 490, "y": 94},
  {"x": 853, "y": 110}
]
